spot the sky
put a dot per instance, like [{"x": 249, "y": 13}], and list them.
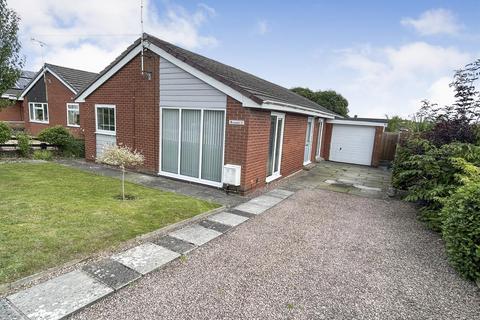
[{"x": 383, "y": 56}]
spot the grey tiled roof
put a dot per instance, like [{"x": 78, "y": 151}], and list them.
[
  {"x": 253, "y": 87},
  {"x": 77, "y": 79},
  {"x": 21, "y": 83}
]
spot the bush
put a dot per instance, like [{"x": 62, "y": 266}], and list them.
[
  {"x": 67, "y": 144},
  {"x": 5, "y": 132},
  {"x": 43, "y": 155},
  {"x": 461, "y": 229},
  {"x": 57, "y": 135},
  {"x": 23, "y": 144}
]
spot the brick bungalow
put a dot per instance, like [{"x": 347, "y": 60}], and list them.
[
  {"x": 199, "y": 120},
  {"x": 48, "y": 100},
  {"x": 13, "y": 114}
]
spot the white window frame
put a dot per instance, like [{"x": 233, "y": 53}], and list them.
[
  {"x": 44, "y": 106},
  {"x": 178, "y": 175},
  {"x": 318, "y": 152},
  {"x": 312, "y": 129},
  {"x": 105, "y": 106},
  {"x": 277, "y": 174},
  {"x": 72, "y": 107}
]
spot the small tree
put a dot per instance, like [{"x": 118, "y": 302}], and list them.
[{"x": 121, "y": 157}]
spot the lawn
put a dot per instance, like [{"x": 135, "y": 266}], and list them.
[{"x": 51, "y": 214}]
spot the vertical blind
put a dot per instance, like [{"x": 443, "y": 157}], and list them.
[
  {"x": 170, "y": 132},
  {"x": 198, "y": 141},
  {"x": 212, "y": 145}
]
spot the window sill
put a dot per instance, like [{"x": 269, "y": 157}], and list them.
[
  {"x": 42, "y": 122},
  {"x": 272, "y": 177},
  {"x": 106, "y": 133},
  {"x": 73, "y": 126}
]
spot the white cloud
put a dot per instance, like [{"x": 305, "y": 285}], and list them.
[
  {"x": 393, "y": 80},
  {"x": 435, "y": 21},
  {"x": 80, "y": 35},
  {"x": 262, "y": 27}
]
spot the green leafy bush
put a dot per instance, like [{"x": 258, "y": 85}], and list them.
[
  {"x": 57, "y": 135},
  {"x": 43, "y": 155},
  {"x": 461, "y": 229},
  {"x": 67, "y": 144},
  {"x": 5, "y": 132},
  {"x": 23, "y": 144}
]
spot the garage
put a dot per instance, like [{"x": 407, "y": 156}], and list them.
[{"x": 355, "y": 141}]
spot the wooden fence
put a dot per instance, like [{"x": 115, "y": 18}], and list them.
[{"x": 389, "y": 145}]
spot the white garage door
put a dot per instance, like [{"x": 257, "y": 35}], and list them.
[{"x": 352, "y": 144}]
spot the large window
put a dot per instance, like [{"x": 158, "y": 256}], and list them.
[
  {"x": 105, "y": 116},
  {"x": 192, "y": 144},
  {"x": 73, "y": 115},
  {"x": 275, "y": 145},
  {"x": 38, "y": 112}
]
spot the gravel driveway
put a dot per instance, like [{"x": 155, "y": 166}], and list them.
[{"x": 317, "y": 255}]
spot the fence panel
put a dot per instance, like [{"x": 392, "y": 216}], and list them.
[{"x": 389, "y": 145}]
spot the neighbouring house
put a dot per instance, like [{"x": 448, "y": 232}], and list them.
[
  {"x": 199, "y": 120},
  {"x": 48, "y": 99},
  {"x": 13, "y": 114}
]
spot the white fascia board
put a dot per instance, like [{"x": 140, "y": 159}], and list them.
[
  {"x": 109, "y": 73},
  {"x": 45, "y": 69},
  {"x": 10, "y": 97},
  {"x": 286, "y": 107},
  {"x": 357, "y": 123},
  {"x": 246, "y": 102}
]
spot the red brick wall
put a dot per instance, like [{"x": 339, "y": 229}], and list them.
[
  {"x": 58, "y": 96},
  {"x": 327, "y": 139},
  {"x": 293, "y": 143},
  {"x": 12, "y": 113},
  {"x": 137, "y": 110}
]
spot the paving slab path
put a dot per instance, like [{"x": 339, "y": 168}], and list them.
[{"x": 317, "y": 255}]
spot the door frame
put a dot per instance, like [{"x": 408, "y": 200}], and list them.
[
  {"x": 312, "y": 127},
  {"x": 318, "y": 151},
  {"x": 277, "y": 174},
  {"x": 178, "y": 175}
]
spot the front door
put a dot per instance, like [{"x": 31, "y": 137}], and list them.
[{"x": 308, "y": 141}]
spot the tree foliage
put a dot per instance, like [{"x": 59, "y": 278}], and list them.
[
  {"x": 329, "y": 99},
  {"x": 11, "y": 61}
]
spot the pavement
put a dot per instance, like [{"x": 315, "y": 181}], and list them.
[{"x": 317, "y": 255}]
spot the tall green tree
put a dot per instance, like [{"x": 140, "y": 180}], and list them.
[
  {"x": 329, "y": 99},
  {"x": 11, "y": 61}
]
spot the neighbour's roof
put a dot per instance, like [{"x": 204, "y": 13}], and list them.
[
  {"x": 22, "y": 82},
  {"x": 378, "y": 120},
  {"x": 253, "y": 87},
  {"x": 77, "y": 79}
]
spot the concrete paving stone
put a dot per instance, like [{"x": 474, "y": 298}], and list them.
[
  {"x": 250, "y": 207},
  {"x": 220, "y": 227},
  {"x": 227, "y": 218},
  {"x": 174, "y": 244},
  {"x": 266, "y": 201},
  {"x": 59, "y": 296},
  {"x": 8, "y": 312},
  {"x": 280, "y": 193},
  {"x": 146, "y": 257},
  {"x": 112, "y": 273},
  {"x": 241, "y": 213},
  {"x": 195, "y": 234}
]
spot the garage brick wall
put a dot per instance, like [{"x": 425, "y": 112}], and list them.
[
  {"x": 13, "y": 112},
  {"x": 137, "y": 110},
  {"x": 58, "y": 95}
]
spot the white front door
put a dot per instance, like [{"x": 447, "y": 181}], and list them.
[
  {"x": 275, "y": 143},
  {"x": 308, "y": 141},
  {"x": 318, "y": 152},
  {"x": 352, "y": 144}
]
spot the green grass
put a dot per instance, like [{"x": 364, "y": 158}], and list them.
[{"x": 51, "y": 214}]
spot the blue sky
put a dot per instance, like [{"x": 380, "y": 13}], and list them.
[{"x": 383, "y": 56}]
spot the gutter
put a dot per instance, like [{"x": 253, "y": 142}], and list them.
[{"x": 282, "y": 106}]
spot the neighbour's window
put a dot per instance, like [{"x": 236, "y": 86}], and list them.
[
  {"x": 73, "y": 115},
  {"x": 106, "y": 119},
  {"x": 38, "y": 112}
]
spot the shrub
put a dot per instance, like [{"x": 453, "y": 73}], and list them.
[
  {"x": 23, "y": 144},
  {"x": 43, "y": 155},
  {"x": 461, "y": 229},
  {"x": 76, "y": 148},
  {"x": 5, "y": 132},
  {"x": 57, "y": 135}
]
